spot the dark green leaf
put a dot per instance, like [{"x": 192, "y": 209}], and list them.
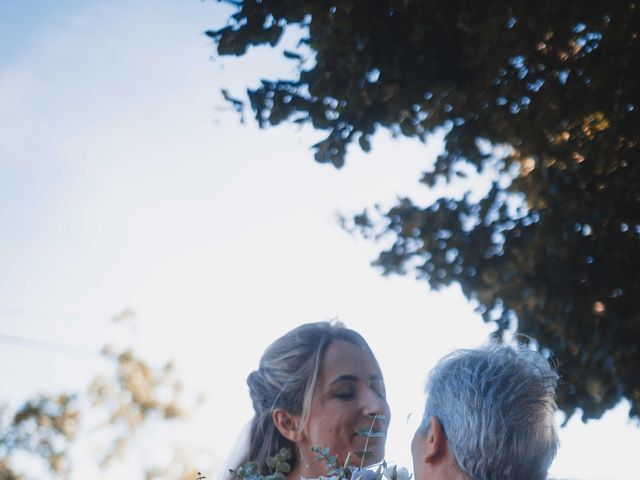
[{"x": 364, "y": 454}]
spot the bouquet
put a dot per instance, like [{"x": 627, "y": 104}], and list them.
[{"x": 280, "y": 467}]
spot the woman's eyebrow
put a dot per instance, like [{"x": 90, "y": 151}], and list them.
[
  {"x": 354, "y": 378},
  {"x": 345, "y": 378}
]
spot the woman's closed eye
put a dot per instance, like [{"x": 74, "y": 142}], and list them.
[{"x": 345, "y": 394}]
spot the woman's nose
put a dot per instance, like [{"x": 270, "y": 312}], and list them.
[{"x": 375, "y": 404}]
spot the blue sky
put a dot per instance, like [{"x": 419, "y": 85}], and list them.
[{"x": 126, "y": 182}]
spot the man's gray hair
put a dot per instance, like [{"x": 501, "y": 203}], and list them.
[{"x": 496, "y": 406}]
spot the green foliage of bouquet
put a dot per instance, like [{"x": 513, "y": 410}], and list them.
[{"x": 279, "y": 464}]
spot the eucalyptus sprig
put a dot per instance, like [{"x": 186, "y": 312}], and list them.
[
  {"x": 335, "y": 471},
  {"x": 369, "y": 433},
  {"x": 333, "y": 467},
  {"x": 279, "y": 465},
  {"x": 347, "y": 471}
]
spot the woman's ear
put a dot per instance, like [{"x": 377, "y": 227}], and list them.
[{"x": 287, "y": 424}]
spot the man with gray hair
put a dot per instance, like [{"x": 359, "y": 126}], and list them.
[{"x": 489, "y": 416}]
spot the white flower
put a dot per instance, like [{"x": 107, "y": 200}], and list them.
[
  {"x": 365, "y": 474},
  {"x": 403, "y": 474},
  {"x": 390, "y": 472},
  {"x": 395, "y": 473}
]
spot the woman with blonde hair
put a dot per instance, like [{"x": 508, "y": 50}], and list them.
[{"x": 318, "y": 385}]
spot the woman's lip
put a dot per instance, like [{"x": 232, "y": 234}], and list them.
[{"x": 373, "y": 440}]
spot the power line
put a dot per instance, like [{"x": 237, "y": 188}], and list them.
[
  {"x": 36, "y": 313},
  {"x": 44, "y": 345}
]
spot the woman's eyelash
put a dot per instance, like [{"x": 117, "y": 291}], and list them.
[{"x": 345, "y": 395}]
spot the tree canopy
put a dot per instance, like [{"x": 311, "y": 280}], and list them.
[{"x": 543, "y": 98}]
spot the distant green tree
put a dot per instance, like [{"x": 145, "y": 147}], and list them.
[
  {"x": 46, "y": 427},
  {"x": 551, "y": 89},
  {"x": 43, "y": 426}
]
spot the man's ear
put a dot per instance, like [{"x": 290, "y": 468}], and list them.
[
  {"x": 435, "y": 443},
  {"x": 287, "y": 424}
]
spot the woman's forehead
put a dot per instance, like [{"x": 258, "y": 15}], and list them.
[{"x": 346, "y": 359}]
